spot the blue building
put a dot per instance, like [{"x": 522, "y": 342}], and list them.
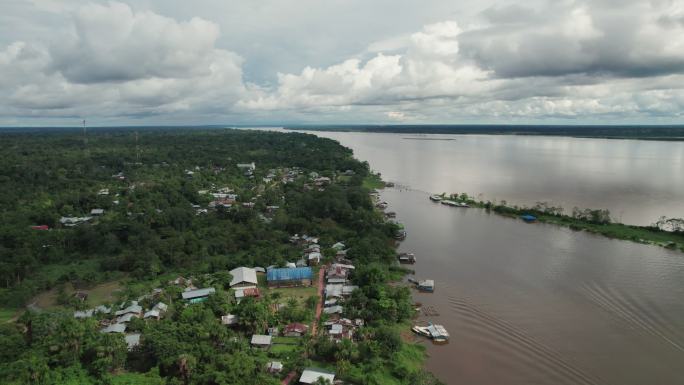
[{"x": 288, "y": 277}]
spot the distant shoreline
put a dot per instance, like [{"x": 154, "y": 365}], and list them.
[{"x": 659, "y": 133}]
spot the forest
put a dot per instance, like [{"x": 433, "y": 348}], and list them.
[{"x": 119, "y": 214}]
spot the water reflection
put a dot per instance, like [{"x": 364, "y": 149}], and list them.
[
  {"x": 538, "y": 304},
  {"x": 638, "y": 181}
]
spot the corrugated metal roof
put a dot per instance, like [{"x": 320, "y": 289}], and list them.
[
  {"x": 198, "y": 293},
  {"x": 261, "y": 339},
  {"x": 289, "y": 274},
  {"x": 243, "y": 274},
  {"x": 311, "y": 375}
]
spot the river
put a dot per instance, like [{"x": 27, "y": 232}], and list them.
[{"x": 533, "y": 303}]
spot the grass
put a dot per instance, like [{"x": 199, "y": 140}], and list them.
[
  {"x": 373, "y": 181},
  {"x": 7, "y": 315},
  {"x": 286, "y": 340},
  {"x": 283, "y": 348},
  {"x": 299, "y": 293}
]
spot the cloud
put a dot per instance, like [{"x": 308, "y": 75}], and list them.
[
  {"x": 571, "y": 37},
  {"x": 172, "y": 61},
  {"x": 567, "y": 60},
  {"x": 117, "y": 61}
]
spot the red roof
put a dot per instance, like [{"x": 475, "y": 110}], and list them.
[
  {"x": 41, "y": 227},
  {"x": 296, "y": 328}
]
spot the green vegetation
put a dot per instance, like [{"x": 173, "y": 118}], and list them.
[
  {"x": 373, "y": 182},
  {"x": 158, "y": 225},
  {"x": 593, "y": 221}
]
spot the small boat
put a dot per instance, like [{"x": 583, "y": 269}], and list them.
[
  {"x": 435, "y": 198},
  {"x": 409, "y": 258},
  {"x": 421, "y": 330},
  {"x": 390, "y": 214},
  {"x": 427, "y": 285},
  {"x": 401, "y": 235},
  {"x": 528, "y": 218},
  {"x": 436, "y": 332},
  {"x": 454, "y": 203}
]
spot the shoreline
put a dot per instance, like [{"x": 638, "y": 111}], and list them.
[{"x": 599, "y": 224}]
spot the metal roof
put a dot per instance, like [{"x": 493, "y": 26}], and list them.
[
  {"x": 114, "y": 328},
  {"x": 198, "y": 293},
  {"x": 311, "y": 375},
  {"x": 261, "y": 339},
  {"x": 289, "y": 274},
  {"x": 243, "y": 274}
]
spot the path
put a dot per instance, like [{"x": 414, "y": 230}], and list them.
[
  {"x": 319, "y": 306},
  {"x": 289, "y": 378}
]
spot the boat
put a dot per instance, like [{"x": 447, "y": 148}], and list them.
[
  {"x": 454, "y": 203},
  {"x": 427, "y": 285},
  {"x": 435, "y": 198},
  {"x": 407, "y": 258},
  {"x": 401, "y": 235},
  {"x": 421, "y": 330},
  {"x": 437, "y": 333}
]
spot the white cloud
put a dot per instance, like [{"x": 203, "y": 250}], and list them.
[
  {"x": 120, "y": 62},
  {"x": 174, "y": 61}
]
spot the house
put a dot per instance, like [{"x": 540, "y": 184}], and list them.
[
  {"x": 132, "y": 340},
  {"x": 127, "y": 318},
  {"x": 274, "y": 367},
  {"x": 83, "y": 313},
  {"x": 348, "y": 289},
  {"x": 40, "y": 227},
  {"x": 299, "y": 276},
  {"x": 104, "y": 191},
  {"x": 134, "y": 309},
  {"x": 336, "y": 309},
  {"x": 73, "y": 221},
  {"x": 314, "y": 258},
  {"x": 161, "y": 306},
  {"x": 295, "y": 330},
  {"x": 241, "y": 293},
  {"x": 230, "y": 320},
  {"x": 339, "y": 246},
  {"x": 311, "y": 375},
  {"x": 96, "y": 212},
  {"x": 243, "y": 277},
  {"x": 261, "y": 341},
  {"x": 247, "y": 166},
  {"x": 154, "y": 313},
  {"x": 290, "y": 265},
  {"x": 333, "y": 291},
  {"x": 199, "y": 295},
  {"x": 301, "y": 263},
  {"x": 114, "y": 328}
]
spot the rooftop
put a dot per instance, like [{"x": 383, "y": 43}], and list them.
[
  {"x": 288, "y": 274},
  {"x": 198, "y": 293},
  {"x": 311, "y": 375}
]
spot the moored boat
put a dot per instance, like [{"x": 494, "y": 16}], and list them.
[
  {"x": 409, "y": 258},
  {"x": 437, "y": 333},
  {"x": 427, "y": 285},
  {"x": 435, "y": 198}
]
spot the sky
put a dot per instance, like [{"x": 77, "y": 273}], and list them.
[{"x": 175, "y": 62}]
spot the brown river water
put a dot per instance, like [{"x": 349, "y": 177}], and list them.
[{"x": 533, "y": 303}]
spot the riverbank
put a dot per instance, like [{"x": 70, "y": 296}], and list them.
[{"x": 599, "y": 224}]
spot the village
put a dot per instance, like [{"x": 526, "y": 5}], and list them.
[
  {"x": 278, "y": 266},
  {"x": 323, "y": 279}
]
